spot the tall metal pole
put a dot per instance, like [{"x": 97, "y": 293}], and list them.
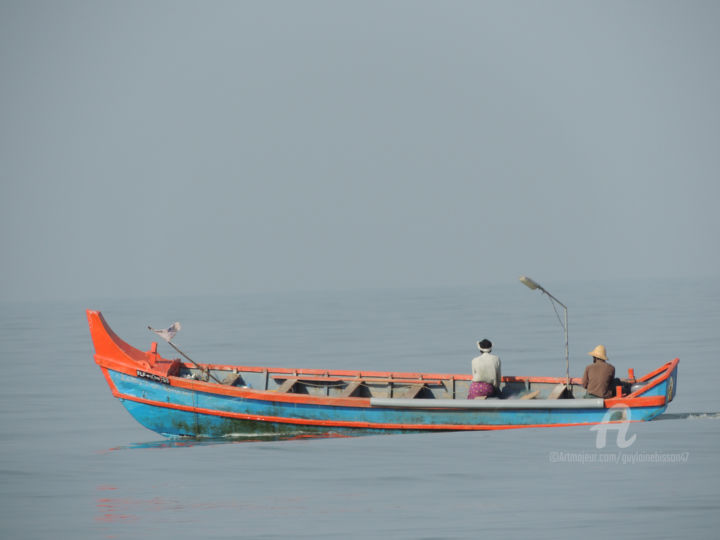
[
  {"x": 534, "y": 285},
  {"x": 567, "y": 350}
]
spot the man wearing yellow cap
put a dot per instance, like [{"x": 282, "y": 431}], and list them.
[{"x": 599, "y": 376}]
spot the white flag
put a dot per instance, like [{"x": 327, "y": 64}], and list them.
[{"x": 168, "y": 333}]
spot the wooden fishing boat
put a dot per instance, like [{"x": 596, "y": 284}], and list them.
[{"x": 178, "y": 398}]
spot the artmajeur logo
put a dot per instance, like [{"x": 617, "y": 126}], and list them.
[{"x": 617, "y": 418}]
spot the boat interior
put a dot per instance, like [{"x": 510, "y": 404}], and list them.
[{"x": 345, "y": 384}]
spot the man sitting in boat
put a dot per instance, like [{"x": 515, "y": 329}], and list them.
[
  {"x": 485, "y": 372},
  {"x": 599, "y": 376}
]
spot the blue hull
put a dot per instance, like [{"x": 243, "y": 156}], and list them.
[{"x": 163, "y": 415}]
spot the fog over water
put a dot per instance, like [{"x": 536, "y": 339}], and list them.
[{"x": 176, "y": 148}]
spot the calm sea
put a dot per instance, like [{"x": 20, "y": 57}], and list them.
[{"x": 74, "y": 464}]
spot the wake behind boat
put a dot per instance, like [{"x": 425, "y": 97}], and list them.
[{"x": 178, "y": 398}]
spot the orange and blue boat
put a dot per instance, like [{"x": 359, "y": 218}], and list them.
[{"x": 177, "y": 398}]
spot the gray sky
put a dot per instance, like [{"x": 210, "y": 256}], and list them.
[{"x": 173, "y": 148}]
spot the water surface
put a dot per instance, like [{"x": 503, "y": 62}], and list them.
[{"x": 74, "y": 464}]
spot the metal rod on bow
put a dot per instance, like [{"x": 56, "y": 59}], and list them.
[{"x": 167, "y": 334}]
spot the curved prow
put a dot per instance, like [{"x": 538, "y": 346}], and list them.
[{"x": 109, "y": 347}]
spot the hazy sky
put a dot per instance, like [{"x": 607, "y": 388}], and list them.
[{"x": 173, "y": 148}]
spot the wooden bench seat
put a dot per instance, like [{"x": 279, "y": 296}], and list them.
[
  {"x": 286, "y": 386},
  {"x": 411, "y": 392},
  {"x": 232, "y": 379},
  {"x": 350, "y": 389},
  {"x": 558, "y": 391}
]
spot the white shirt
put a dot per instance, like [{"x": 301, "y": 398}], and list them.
[{"x": 486, "y": 368}]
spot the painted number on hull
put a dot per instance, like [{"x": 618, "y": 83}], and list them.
[{"x": 153, "y": 377}]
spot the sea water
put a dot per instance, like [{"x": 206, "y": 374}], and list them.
[{"x": 74, "y": 464}]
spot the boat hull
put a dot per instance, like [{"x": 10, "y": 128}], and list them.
[
  {"x": 178, "y": 406},
  {"x": 171, "y": 411}
]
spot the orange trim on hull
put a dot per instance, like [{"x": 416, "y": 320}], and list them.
[
  {"x": 667, "y": 368},
  {"x": 110, "y": 382},
  {"x": 642, "y": 401}
]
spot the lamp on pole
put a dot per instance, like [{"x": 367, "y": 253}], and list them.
[{"x": 534, "y": 285}]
